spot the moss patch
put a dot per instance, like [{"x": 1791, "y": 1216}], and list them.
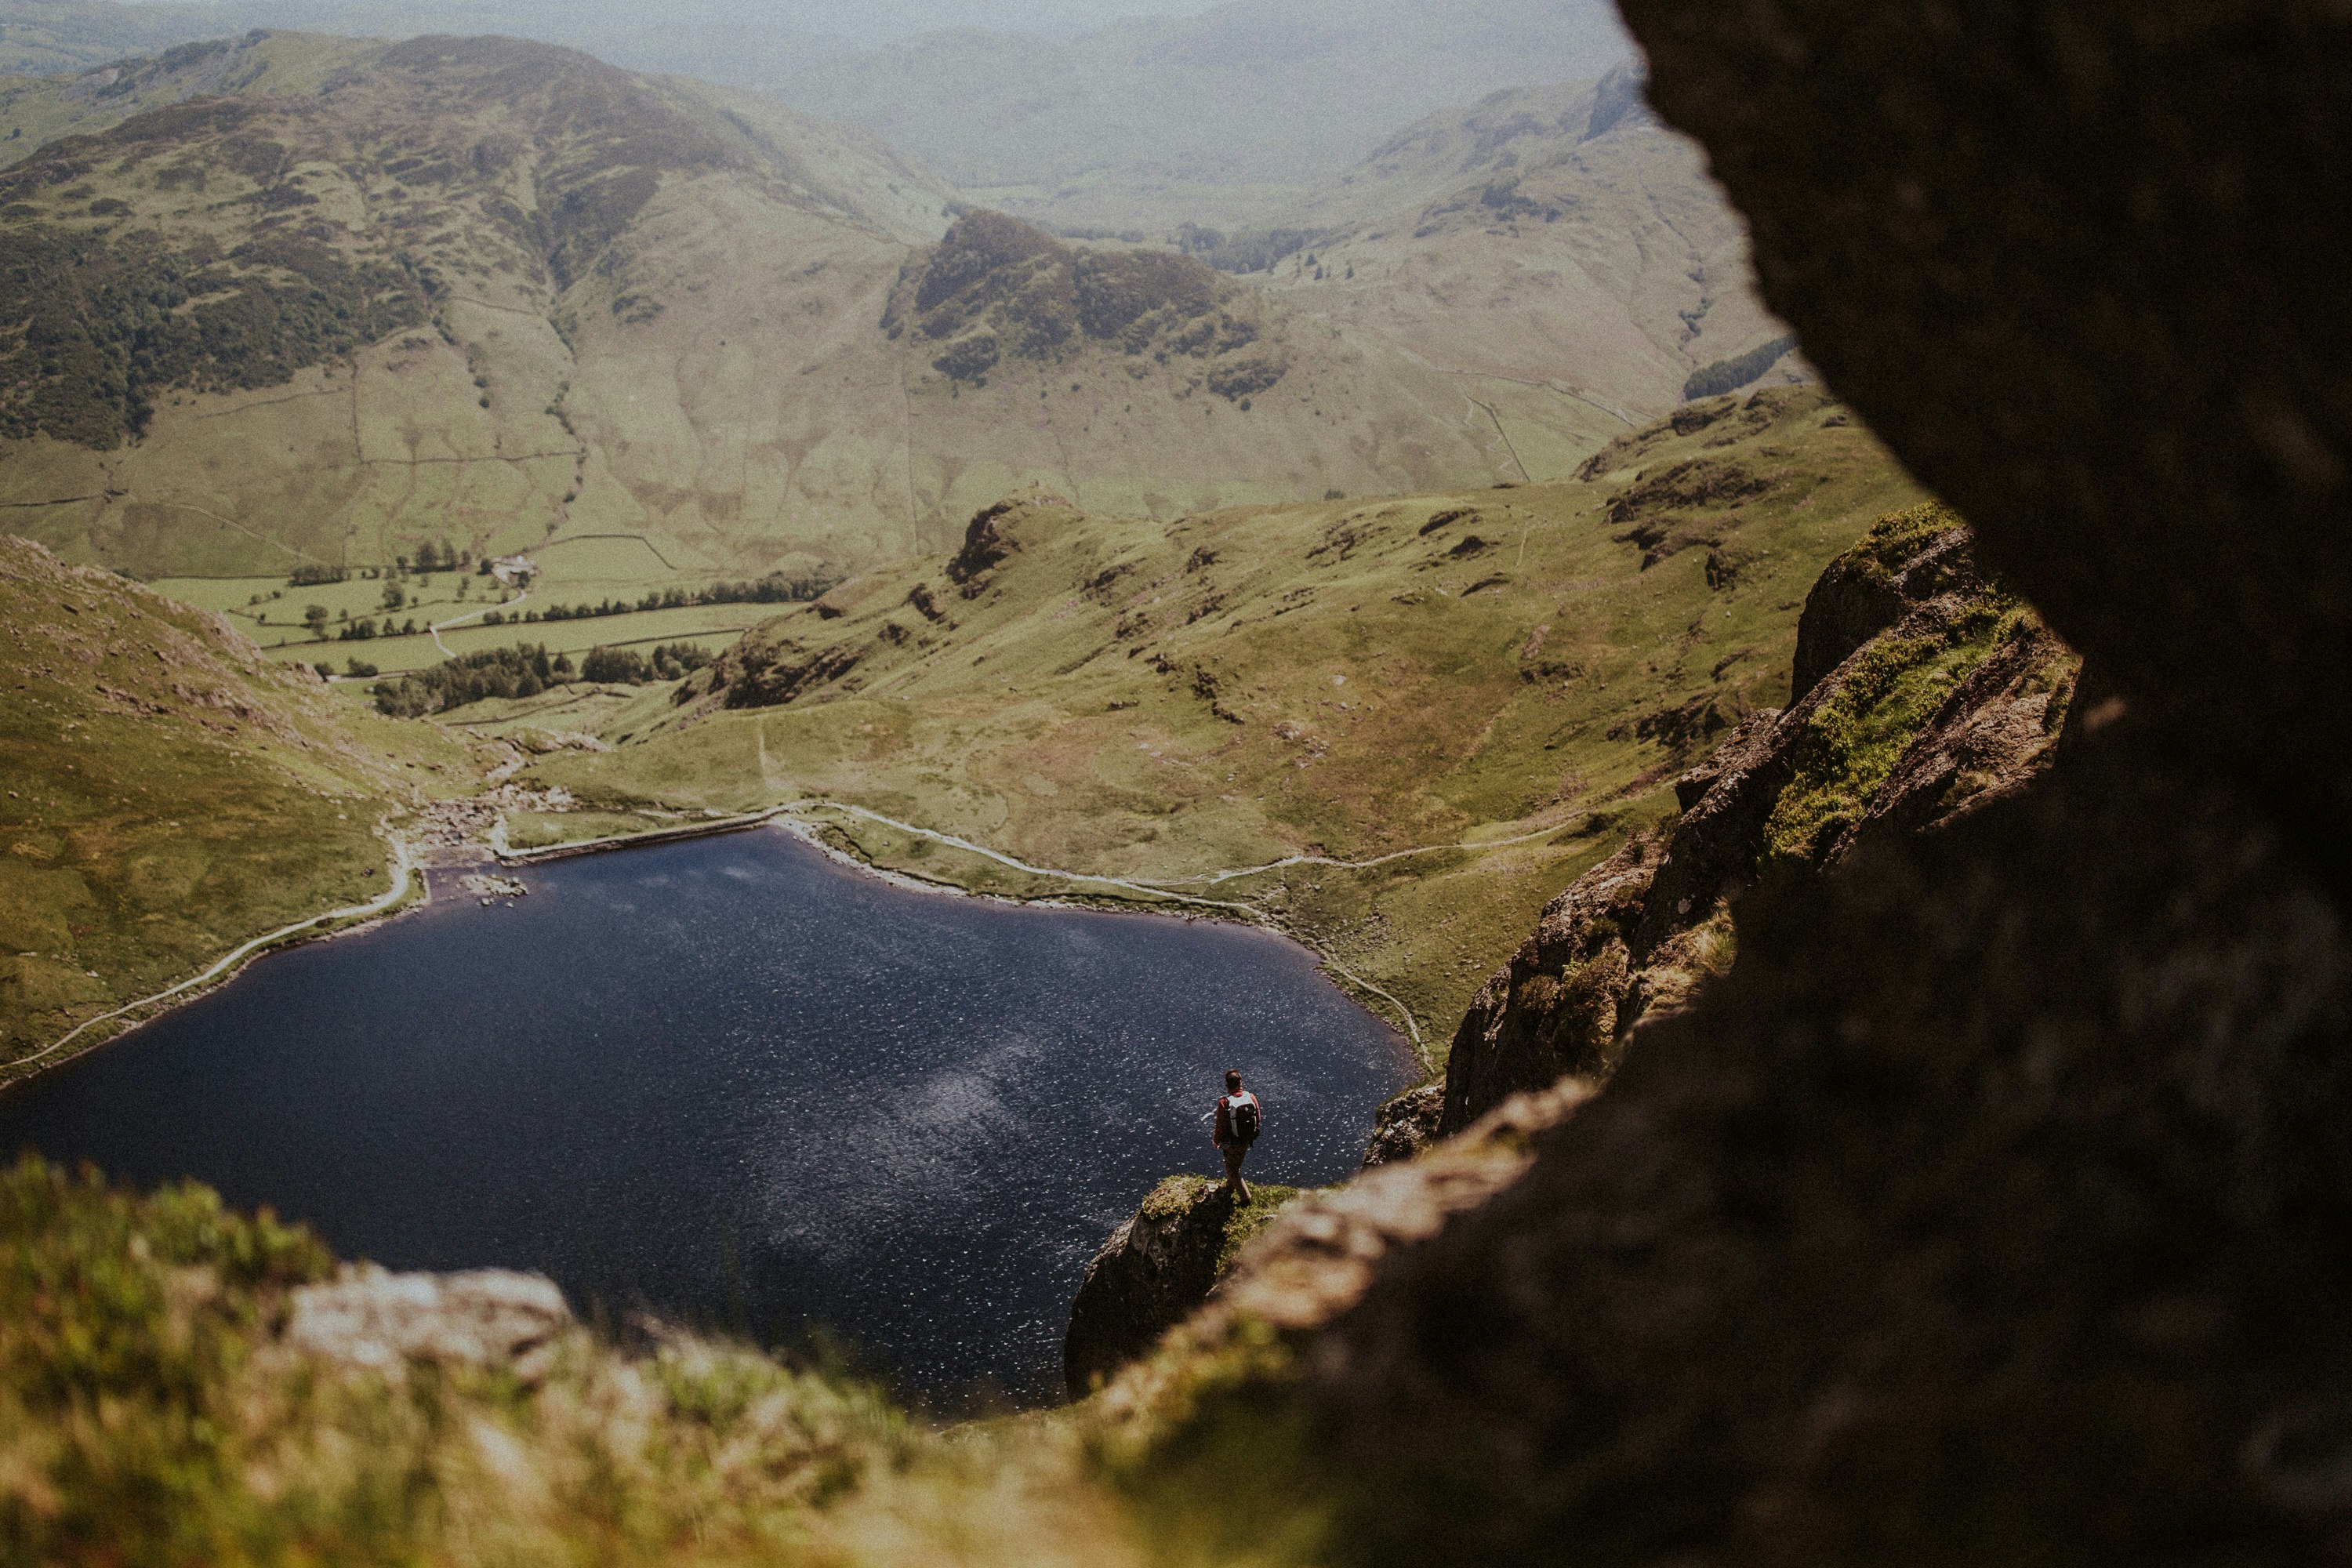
[{"x": 1179, "y": 1196}]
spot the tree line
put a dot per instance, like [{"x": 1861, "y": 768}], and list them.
[
  {"x": 1732, "y": 375},
  {"x": 774, "y": 589},
  {"x": 526, "y": 670}
]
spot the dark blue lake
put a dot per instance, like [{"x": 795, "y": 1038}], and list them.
[{"x": 735, "y": 1083}]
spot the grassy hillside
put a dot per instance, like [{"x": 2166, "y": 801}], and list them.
[
  {"x": 152, "y": 1413},
  {"x": 409, "y": 304},
  {"x": 1519, "y": 669},
  {"x": 169, "y": 794},
  {"x": 1553, "y": 246}
]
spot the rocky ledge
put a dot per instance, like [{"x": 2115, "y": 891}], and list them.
[{"x": 1156, "y": 1270}]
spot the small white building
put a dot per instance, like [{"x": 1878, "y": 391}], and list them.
[{"x": 514, "y": 571}]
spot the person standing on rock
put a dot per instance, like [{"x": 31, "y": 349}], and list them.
[{"x": 1240, "y": 1119}]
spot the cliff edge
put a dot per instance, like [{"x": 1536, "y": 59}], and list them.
[{"x": 1156, "y": 1270}]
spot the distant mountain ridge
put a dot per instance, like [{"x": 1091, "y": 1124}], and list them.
[
  {"x": 1550, "y": 246},
  {"x": 503, "y": 293},
  {"x": 1243, "y": 95},
  {"x": 694, "y": 38}
]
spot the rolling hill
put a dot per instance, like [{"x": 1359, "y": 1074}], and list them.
[
  {"x": 1521, "y": 669},
  {"x": 1551, "y": 245},
  {"x": 169, "y": 794},
  {"x": 316, "y": 301}
]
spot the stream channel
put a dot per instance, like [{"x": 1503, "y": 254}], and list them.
[{"x": 737, "y": 1084}]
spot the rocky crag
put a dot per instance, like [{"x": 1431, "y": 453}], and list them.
[
  {"x": 1922, "y": 693},
  {"x": 1990, "y": 1207}
]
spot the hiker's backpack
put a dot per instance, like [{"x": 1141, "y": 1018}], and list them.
[{"x": 1243, "y": 1108}]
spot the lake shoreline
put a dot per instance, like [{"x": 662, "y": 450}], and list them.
[
  {"x": 638, "y": 1080},
  {"x": 789, "y": 819},
  {"x": 793, "y": 819}
]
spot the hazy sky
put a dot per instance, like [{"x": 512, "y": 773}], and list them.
[
  {"x": 878, "y": 21},
  {"x": 897, "y": 19}
]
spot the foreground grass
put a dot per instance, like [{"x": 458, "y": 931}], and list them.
[
  {"x": 169, "y": 794},
  {"x": 150, "y": 1415},
  {"x": 1522, "y": 672}
]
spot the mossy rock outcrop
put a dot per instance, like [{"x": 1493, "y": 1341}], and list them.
[
  {"x": 1923, "y": 693},
  {"x": 1157, "y": 1270}
]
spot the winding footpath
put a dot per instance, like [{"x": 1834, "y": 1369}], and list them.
[
  {"x": 1249, "y": 913},
  {"x": 438, "y": 627},
  {"x": 403, "y": 866},
  {"x": 404, "y": 870}
]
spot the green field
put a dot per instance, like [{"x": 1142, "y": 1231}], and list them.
[{"x": 583, "y": 570}]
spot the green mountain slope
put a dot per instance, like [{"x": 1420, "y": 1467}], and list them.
[
  {"x": 498, "y": 293},
  {"x": 1522, "y": 669},
  {"x": 1559, "y": 253},
  {"x": 169, "y": 794},
  {"x": 1549, "y": 245}
]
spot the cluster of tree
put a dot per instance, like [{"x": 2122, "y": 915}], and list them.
[
  {"x": 315, "y": 619},
  {"x": 626, "y": 667},
  {"x": 102, "y": 323},
  {"x": 1257, "y": 252},
  {"x": 431, "y": 557},
  {"x": 525, "y": 669},
  {"x": 777, "y": 588},
  {"x": 316, "y": 577},
  {"x": 1732, "y": 375}
]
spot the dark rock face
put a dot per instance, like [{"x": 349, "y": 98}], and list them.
[
  {"x": 1155, "y": 1272},
  {"x": 1937, "y": 700},
  {"x": 1867, "y": 591},
  {"x": 1934, "y": 1233},
  {"x": 995, "y": 287},
  {"x": 2075, "y": 264},
  {"x": 769, "y": 670},
  {"x": 986, "y": 546},
  {"x": 1405, "y": 1125},
  {"x": 1553, "y": 1011}
]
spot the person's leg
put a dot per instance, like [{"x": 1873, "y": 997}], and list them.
[{"x": 1234, "y": 1154}]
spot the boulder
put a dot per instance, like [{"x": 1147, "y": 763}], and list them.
[
  {"x": 1405, "y": 1125},
  {"x": 369, "y": 1318}
]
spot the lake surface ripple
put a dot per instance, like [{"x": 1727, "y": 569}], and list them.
[{"x": 733, "y": 1082}]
